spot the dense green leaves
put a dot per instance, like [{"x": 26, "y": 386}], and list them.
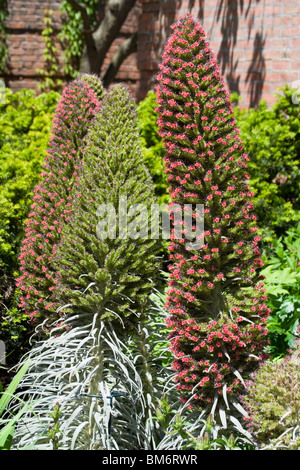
[
  {"x": 153, "y": 147},
  {"x": 282, "y": 284},
  {"x": 273, "y": 404},
  {"x": 25, "y": 121},
  {"x": 271, "y": 136}
]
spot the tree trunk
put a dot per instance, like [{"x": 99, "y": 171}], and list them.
[{"x": 98, "y": 43}]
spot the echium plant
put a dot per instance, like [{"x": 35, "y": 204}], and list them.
[
  {"x": 107, "y": 261},
  {"x": 104, "y": 249},
  {"x": 273, "y": 403},
  {"x": 97, "y": 362},
  {"x": 53, "y": 196},
  {"x": 216, "y": 301}
]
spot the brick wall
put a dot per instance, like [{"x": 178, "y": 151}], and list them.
[
  {"x": 25, "y": 42},
  {"x": 257, "y": 42}
]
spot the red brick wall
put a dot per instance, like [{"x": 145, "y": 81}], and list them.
[
  {"x": 25, "y": 42},
  {"x": 257, "y": 42}
]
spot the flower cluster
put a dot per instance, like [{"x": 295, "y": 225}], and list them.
[
  {"x": 53, "y": 196},
  {"x": 216, "y": 299}
]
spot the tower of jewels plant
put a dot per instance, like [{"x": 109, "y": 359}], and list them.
[
  {"x": 100, "y": 351},
  {"x": 53, "y": 196},
  {"x": 216, "y": 301},
  {"x": 103, "y": 251}
]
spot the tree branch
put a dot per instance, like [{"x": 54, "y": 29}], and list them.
[
  {"x": 128, "y": 47},
  {"x": 110, "y": 27},
  {"x": 97, "y": 43}
]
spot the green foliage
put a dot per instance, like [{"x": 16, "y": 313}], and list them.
[
  {"x": 153, "y": 147},
  {"x": 7, "y": 431},
  {"x": 173, "y": 424},
  {"x": 3, "y": 35},
  {"x": 25, "y": 122},
  {"x": 282, "y": 284},
  {"x": 49, "y": 80},
  {"x": 71, "y": 34},
  {"x": 273, "y": 404},
  {"x": 271, "y": 137}
]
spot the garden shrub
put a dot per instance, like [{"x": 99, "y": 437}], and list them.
[
  {"x": 271, "y": 137},
  {"x": 25, "y": 122},
  {"x": 216, "y": 301},
  {"x": 282, "y": 283},
  {"x": 273, "y": 403},
  {"x": 53, "y": 197}
]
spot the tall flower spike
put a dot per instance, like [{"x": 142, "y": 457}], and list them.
[
  {"x": 216, "y": 300},
  {"x": 106, "y": 269},
  {"x": 105, "y": 335},
  {"x": 53, "y": 197},
  {"x": 108, "y": 265},
  {"x": 94, "y": 83}
]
